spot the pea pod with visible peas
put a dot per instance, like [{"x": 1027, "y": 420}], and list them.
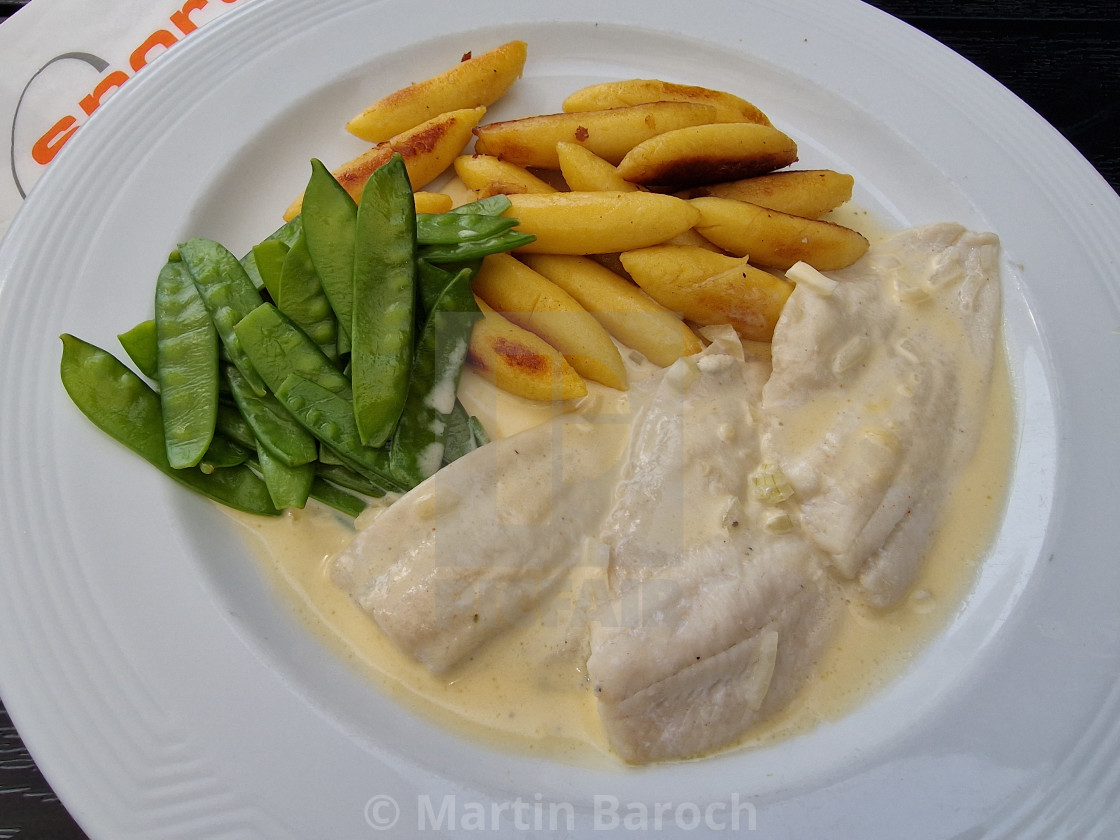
[
  {"x": 299, "y": 295},
  {"x": 287, "y": 359},
  {"x": 329, "y": 415},
  {"x": 272, "y": 425},
  {"x": 369, "y": 285},
  {"x": 186, "y": 366},
  {"x": 482, "y": 215},
  {"x": 123, "y": 406},
  {"x": 384, "y": 322},
  {"x": 330, "y": 219},
  {"x": 229, "y": 295},
  {"x": 454, "y": 228},
  {"x": 277, "y": 347},
  {"x": 476, "y": 249},
  {"x": 493, "y": 205}
]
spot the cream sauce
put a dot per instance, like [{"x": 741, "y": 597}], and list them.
[{"x": 527, "y": 691}]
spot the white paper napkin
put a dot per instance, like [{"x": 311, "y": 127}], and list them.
[{"x": 62, "y": 59}]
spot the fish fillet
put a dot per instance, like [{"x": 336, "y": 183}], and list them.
[
  {"x": 878, "y": 395},
  {"x": 718, "y": 610},
  {"x": 473, "y": 551}
]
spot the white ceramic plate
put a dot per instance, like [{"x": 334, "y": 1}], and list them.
[{"x": 168, "y": 692}]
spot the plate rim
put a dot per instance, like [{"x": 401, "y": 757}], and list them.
[{"x": 147, "y": 87}]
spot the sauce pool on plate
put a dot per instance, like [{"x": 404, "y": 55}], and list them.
[{"x": 528, "y": 690}]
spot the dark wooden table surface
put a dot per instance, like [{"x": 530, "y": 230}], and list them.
[{"x": 1061, "y": 56}]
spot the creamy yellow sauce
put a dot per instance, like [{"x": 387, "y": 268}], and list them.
[
  {"x": 874, "y": 646},
  {"x": 527, "y": 690}
]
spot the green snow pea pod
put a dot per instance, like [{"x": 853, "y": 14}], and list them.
[
  {"x": 478, "y": 432},
  {"x": 288, "y": 487},
  {"x": 229, "y": 296},
  {"x": 290, "y": 231},
  {"x": 186, "y": 366},
  {"x": 140, "y": 345},
  {"x": 300, "y": 296},
  {"x": 329, "y": 415},
  {"x": 123, "y": 406},
  {"x": 343, "y": 476},
  {"x": 453, "y": 228},
  {"x": 431, "y": 281},
  {"x": 232, "y": 425},
  {"x": 273, "y": 426},
  {"x": 318, "y": 394},
  {"x": 326, "y": 456},
  {"x": 493, "y": 205},
  {"x": 475, "y": 249},
  {"x": 330, "y": 219},
  {"x": 268, "y": 259},
  {"x": 285, "y": 234},
  {"x": 277, "y": 347},
  {"x": 223, "y": 453},
  {"x": 325, "y": 492},
  {"x": 464, "y": 434},
  {"x": 457, "y": 438},
  {"x": 384, "y": 322},
  {"x": 417, "y": 450}
]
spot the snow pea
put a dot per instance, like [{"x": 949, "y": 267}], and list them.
[
  {"x": 457, "y": 438},
  {"x": 431, "y": 281},
  {"x": 285, "y": 234},
  {"x": 478, "y": 432},
  {"x": 288, "y": 487},
  {"x": 328, "y": 457},
  {"x": 343, "y": 476},
  {"x": 223, "y": 453},
  {"x": 484, "y": 217},
  {"x": 186, "y": 366},
  {"x": 330, "y": 219},
  {"x": 464, "y": 434},
  {"x": 299, "y": 295},
  {"x": 126, "y": 408},
  {"x": 268, "y": 259},
  {"x": 272, "y": 425},
  {"x": 277, "y": 347},
  {"x": 311, "y": 388},
  {"x": 329, "y": 415},
  {"x": 140, "y": 345},
  {"x": 418, "y": 444},
  {"x": 340, "y": 500},
  {"x": 229, "y": 295},
  {"x": 232, "y": 425},
  {"x": 475, "y": 249},
  {"x": 384, "y": 318},
  {"x": 453, "y": 228},
  {"x": 493, "y": 205}
]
